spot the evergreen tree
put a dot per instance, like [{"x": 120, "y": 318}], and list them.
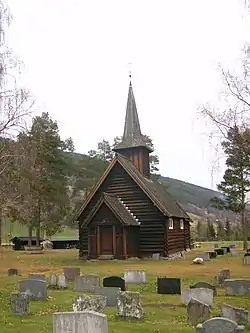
[
  {"x": 220, "y": 230},
  {"x": 228, "y": 229},
  {"x": 44, "y": 202},
  {"x": 235, "y": 185},
  {"x": 210, "y": 230},
  {"x": 105, "y": 153}
]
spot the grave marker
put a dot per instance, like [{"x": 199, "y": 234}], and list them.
[
  {"x": 168, "y": 286},
  {"x": 197, "y": 312},
  {"x": 135, "y": 276},
  {"x": 87, "y": 282},
  {"x": 110, "y": 293},
  {"x": 203, "y": 295},
  {"x": 71, "y": 273},
  {"x": 35, "y": 289},
  {"x": 128, "y": 305},
  {"x": 19, "y": 303},
  {"x": 239, "y": 315},
  {"x": 79, "y": 322},
  {"x": 114, "y": 281},
  {"x": 219, "y": 325}
]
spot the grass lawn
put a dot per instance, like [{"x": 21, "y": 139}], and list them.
[
  {"x": 10, "y": 230},
  {"x": 163, "y": 313}
]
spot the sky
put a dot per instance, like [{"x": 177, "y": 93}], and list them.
[{"x": 76, "y": 55}]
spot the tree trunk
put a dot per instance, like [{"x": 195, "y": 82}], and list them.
[
  {"x": 29, "y": 236},
  {"x": 1, "y": 224},
  {"x": 38, "y": 236},
  {"x": 245, "y": 229}
]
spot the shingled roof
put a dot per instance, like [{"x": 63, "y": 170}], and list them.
[
  {"x": 155, "y": 191},
  {"x": 152, "y": 188},
  {"x": 116, "y": 205}
]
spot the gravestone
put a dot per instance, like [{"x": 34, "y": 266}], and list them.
[
  {"x": 114, "y": 281},
  {"x": 13, "y": 272},
  {"x": 212, "y": 254},
  {"x": 247, "y": 253},
  {"x": 227, "y": 248},
  {"x": 234, "y": 253},
  {"x": 95, "y": 303},
  {"x": 80, "y": 322},
  {"x": 71, "y": 273},
  {"x": 168, "y": 285},
  {"x": 205, "y": 285},
  {"x": 246, "y": 260},
  {"x": 239, "y": 315},
  {"x": 222, "y": 275},
  {"x": 220, "y": 252},
  {"x": 219, "y": 325},
  {"x": 232, "y": 246},
  {"x": 197, "y": 312},
  {"x": 237, "y": 287},
  {"x": 37, "y": 276},
  {"x": 61, "y": 282},
  {"x": 156, "y": 256},
  {"x": 35, "y": 289},
  {"x": 110, "y": 293},
  {"x": 203, "y": 295},
  {"x": 204, "y": 256},
  {"x": 135, "y": 276},
  {"x": 53, "y": 280},
  {"x": 87, "y": 282},
  {"x": 19, "y": 303},
  {"x": 129, "y": 306}
]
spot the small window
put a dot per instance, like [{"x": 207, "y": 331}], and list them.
[
  {"x": 170, "y": 223},
  {"x": 181, "y": 224}
]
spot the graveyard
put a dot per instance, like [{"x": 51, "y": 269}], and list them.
[{"x": 162, "y": 312}]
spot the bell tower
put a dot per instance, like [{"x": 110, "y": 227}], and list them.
[{"x": 133, "y": 144}]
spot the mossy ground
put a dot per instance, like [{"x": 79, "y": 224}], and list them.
[{"x": 163, "y": 313}]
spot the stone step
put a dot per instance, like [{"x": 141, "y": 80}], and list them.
[{"x": 106, "y": 257}]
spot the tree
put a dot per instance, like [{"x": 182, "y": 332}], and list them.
[
  {"x": 220, "y": 230},
  {"x": 210, "y": 230},
  {"x": 104, "y": 152},
  {"x": 235, "y": 185},
  {"x": 44, "y": 202},
  {"x": 228, "y": 230},
  {"x": 15, "y": 105},
  {"x": 230, "y": 129}
]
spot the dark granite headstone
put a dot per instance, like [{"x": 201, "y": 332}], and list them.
[
  {"x": 212, "y": 254},
  {"x": 168, "y": 286},
  {"x": 247, "y": 254},
  {"x": 114, "y": 281},
  {"x": 219, "y": 252},
  {"x": 204, "y": 285},
  {"x": 226, "y": 247}
]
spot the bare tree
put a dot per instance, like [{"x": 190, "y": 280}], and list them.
[
  {"x": 15, "y": 105},
  {"x": 234, "y": 114}
]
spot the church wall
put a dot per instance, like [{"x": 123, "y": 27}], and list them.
[
  {"x": 177, "y": 239},
  {"x": 151, "y": 235}
]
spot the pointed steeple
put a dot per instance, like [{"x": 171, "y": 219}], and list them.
[{"x": 132, "y": 136}]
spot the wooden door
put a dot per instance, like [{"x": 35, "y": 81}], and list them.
[{"x": 106, "y": 240}]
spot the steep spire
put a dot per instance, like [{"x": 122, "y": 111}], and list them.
[{"x": 132, "y": 136}]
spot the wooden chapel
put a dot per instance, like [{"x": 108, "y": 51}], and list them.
[{"x": 129, "y": 214}]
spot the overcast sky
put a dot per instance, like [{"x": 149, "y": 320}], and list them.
[{"x": 76, "y": 55}]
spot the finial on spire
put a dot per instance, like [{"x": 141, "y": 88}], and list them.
[{"x": 130, "y": 69}]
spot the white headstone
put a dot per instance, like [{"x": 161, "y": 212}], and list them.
[{"x": 80, "y": 322}]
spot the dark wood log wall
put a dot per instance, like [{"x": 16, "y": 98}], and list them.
[
  {"x": 187, "y": 234},
  {"x": 118, "y": 182},
  {"x": 175, "y": 238}
]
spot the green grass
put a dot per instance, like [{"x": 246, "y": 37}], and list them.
[
  {"x": 10, "y": 230},
  {"x": 163, "y": 313}
]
